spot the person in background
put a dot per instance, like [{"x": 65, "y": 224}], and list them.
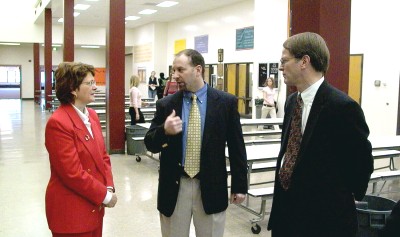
[
  {"x": 152, "y": 85},
  {"x": 135, "y": 101},
  {"x": 81, "y": 181},
  {"x": 171, "y": 87},
  {"x": 325, "y": 161},
  {"x": 193, "y": 176},
  {"x": 269, "y": 101},
  {"x": 162, "y": 81}
]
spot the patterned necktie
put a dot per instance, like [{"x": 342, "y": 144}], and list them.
[
  {"x": 293, "y": 146},
  {"x": 193, "y": 143}
]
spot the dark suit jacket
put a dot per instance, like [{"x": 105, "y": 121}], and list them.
[
  {"x": 332, "y": 169},
  {"x": 80, "y": 172},
  {"x": 222, "y": 125}
]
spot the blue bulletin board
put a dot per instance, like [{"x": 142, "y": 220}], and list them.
[{"x": 245, "y": 38}]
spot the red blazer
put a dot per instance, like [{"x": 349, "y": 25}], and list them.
[{"x": 80, "y": 172}]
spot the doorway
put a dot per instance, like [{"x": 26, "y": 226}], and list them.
[
  {"x": 10, "y": 82},
  {"x": 237, "y": 82}
]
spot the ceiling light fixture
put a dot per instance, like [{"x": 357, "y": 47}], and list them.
[
  {"x": 90, "y": 46},
  {"x": 147, "y": 12},
  {"x": 54, "y": 45},
  {"x": 10, "y": 43},
  {"x": 81, "y": 7},
  {"x": 132, "y": 18},
  {"x": 167, "y": 4},
  {"x": 61, "y": 20},
  {"x": 76, "y": 14}
]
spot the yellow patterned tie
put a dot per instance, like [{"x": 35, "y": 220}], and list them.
[{"x": 193, "y": 142}]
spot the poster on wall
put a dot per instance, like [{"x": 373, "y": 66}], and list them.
[
  {"x": 262, "y": 73},
  {"x": 273, "y": 72},
  {"x": 180, "y": 45},
  {"x": 245, "y": 38},
  {"x": 201, "y": 43}
]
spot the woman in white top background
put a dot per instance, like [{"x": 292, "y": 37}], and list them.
[
  {"x": 269, "y": 100},
  {"x": 135, "y": 101}
]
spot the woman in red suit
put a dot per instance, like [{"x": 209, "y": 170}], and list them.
[{"x": 81, "y": 182}]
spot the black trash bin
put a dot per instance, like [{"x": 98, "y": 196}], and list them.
[
  {"x": 372, "y": 212},
  {"x": 135, "y": 146}
]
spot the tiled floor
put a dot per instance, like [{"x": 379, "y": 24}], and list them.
[{"x": 24, "y": 173}]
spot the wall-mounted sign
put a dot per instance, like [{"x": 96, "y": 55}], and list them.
[
  {"x": 201, "y": 43},
  {"x": 245, "y": 38},
  {"x": 180, "y": 45}
]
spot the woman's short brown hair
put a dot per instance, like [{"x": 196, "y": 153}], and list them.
[{"x": 68, "y": 77}]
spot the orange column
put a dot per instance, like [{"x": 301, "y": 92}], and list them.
[
  {"x": 330, "y": 19},
  {"x": 47, "y": 56},
  {"x": 68, "y": 52},
  {"x": 115, "y": 76}
]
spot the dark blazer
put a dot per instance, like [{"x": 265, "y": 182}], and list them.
[
  {"x": 333, "y": 168},
  {"x": 222, "y": 125},
  {"x": 80, "y": 172}
]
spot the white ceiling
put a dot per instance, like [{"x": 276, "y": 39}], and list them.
[{"x": 97, "y": 14}]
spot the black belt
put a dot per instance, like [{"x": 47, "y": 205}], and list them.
[{"x": 268, "y": 105}]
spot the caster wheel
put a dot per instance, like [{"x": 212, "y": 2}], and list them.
[
  {"x": 138, "y": 158},
  {"x": 256, "y": 229}
]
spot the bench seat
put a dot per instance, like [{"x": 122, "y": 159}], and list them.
[
  {"x": 262, "y": 133},
  {"x": 259, "y": 167}
]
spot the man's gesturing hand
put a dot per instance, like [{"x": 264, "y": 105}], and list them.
[{"x": 173, "y": 124}]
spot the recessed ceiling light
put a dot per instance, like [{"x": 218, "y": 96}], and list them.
[
  {"x": 76, "y": 14},
  {"x": 90, "y": 46},
  {"x": 81, "y": 7},
  {"x": 167, "y": 4},
  {"x": 147, "y": 11},
  {"x": 10, "y": 43},
  {"x": 54, "y": 45},
  {"x": 132, "y": 18},
  {"x": 92, "y": 0},
  {"x": 61, "y": 20}
]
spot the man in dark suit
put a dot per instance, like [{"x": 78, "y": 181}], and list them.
[
  {"x": 203, "y": 194},
  {"x": 327, "y": 165}
]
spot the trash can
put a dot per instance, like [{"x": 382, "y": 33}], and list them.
[
  {"x": 372, "y": 212},
  {"x": 135, "y": 146},
  {"x": 258, "y": 104}
]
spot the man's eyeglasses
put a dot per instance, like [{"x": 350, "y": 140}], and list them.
[
  {"x": 89, "y": 83},
  {"x": 285, "y": 60}
]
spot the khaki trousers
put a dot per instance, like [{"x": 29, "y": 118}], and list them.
[{"x": 189, "y": 204}]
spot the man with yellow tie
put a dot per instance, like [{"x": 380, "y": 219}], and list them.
[{"x": 191, "y": 129}]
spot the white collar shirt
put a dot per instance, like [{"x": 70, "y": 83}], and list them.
[
  {"x": 308, "y": 96},
  {"x": 85, "y": 118}
]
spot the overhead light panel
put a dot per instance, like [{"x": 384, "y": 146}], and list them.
[
  {"x": 76, "y": 14},
  {"x": 167, "y": 4},
  {"x": 132, "y": 18},
  {"x": 81, "y": 7},
  {"x": 9, "y": 43},
  {"x": 90, "y": 46},
  {"x": 61, "y": 20},
  {"x": 54, "y": 45},
  {"x": 147, "y": 11},
  {"x": 92, "y": 0}
]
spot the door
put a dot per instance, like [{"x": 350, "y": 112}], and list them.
[{"x": 355, "y": 76}]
